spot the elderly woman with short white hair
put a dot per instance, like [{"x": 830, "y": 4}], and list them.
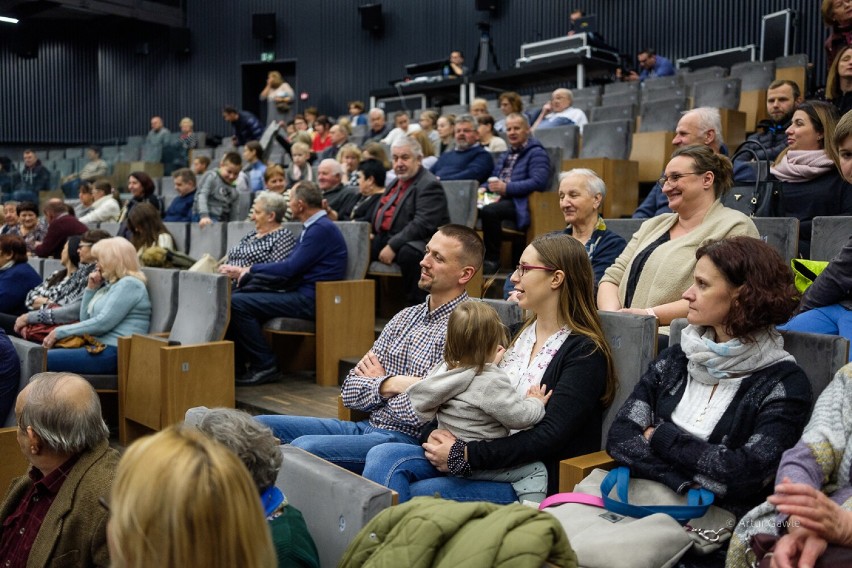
[
  {"x": 268, "y": 242},
  {"x": 260, "y": 451},
  {"x": 581, "y": 195}
]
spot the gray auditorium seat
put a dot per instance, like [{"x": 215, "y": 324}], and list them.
[
  {"x": 33, "y": 359},
  {"x": 36, "y": 263},
  {"x": 624, "y": 227},
  {"x": 754, "y": 75},
  {"x": 56, "y": 154},
  {"x": 137, "y": 141},
  {"x": 717, "y": 93},
  {"x": 607, "y": 139},
  {"x": 209, "y": 240},
  {"x": 180, "y": 232},
  {"x": 612, "y": 112},
  {"x": 565, "y": 137},
  {"x": 676, "y": 92},
  {"x": 236, "y": 231},
  {"x": 335, "y": 502},
  {"x": 828, "y": 235},
  {"x": 662, "y": 115},
  {"x": 622, "y": 87},
  {"x": 72, "y": 153},
  {"x": 461, "y": 201},
  {"x": 454, "y": 109},
  {"x": 50, "y": 266},
  {"x": 162, "y": 286},
  {"x": 662, "y": 83},
  {"x": 129, "y": 153},
  {"x": 623, "y": 98},
  {"x": 782, "y": 233},
  {"x": 167, "y": 186}
]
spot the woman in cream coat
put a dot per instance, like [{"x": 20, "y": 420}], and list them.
[{"x": 656, "y": 268}]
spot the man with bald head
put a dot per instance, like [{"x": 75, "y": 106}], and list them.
[
  {"x": 559, "y": 112},
  {"x": 52, "y": 516}
]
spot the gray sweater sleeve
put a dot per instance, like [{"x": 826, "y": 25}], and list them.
[{"x": 68, "y": 313}]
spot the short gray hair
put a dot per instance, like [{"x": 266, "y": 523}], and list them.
[
  {"x": 708, "y": 119},
  {"x": 376, "y": 112},
  {"x": 273, "y": 203},
  {"x": 594, "y": 184},
  {"x": 336, "y": 167},
  {"x": 469, "y": 118},
  {"x": 250, "y": 440},
  {"x": 309, "y": 192},
  {"x": 65, "y": 425},
  {"x": 409, "y": 142}
]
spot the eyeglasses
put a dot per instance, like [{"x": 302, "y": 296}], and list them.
[
  {"x": 674, "y": 178},
  {"x": 522, "y": 268}
]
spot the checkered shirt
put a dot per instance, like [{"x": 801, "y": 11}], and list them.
[{"x": 410, "y": 344}]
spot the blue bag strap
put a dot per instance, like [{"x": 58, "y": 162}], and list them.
[{"x": 698, "y": 500}]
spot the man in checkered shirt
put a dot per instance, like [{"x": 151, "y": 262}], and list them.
[{"x": 408, "y": 347}]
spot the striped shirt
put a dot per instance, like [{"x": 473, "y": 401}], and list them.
[{"x": 410, "y": 344}]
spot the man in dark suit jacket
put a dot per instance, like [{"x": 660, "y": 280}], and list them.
[
  {"x": 408, "y": 214},
  {"x": 51, "y": 515},
  {"x": 60, "y": 226}
]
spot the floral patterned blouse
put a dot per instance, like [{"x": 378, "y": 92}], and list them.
[{"x": 516, "y": 360}]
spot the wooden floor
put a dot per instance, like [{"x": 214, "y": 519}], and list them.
[{"x": 296, "y": 394}]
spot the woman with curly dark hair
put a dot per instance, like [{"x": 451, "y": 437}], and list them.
[{"x": 718, "y": 410}]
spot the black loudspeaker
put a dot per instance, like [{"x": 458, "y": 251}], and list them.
[
  {"x": 180, "y": 41},
  {"x": 263, "y": 26},
  {"x": 486, "y": 5},
  {"x": 371, "y": 17}
]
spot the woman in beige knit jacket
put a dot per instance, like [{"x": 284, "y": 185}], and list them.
[{"x": 656, "y": 267}]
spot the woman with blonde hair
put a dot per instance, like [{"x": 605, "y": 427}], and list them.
[
  {"x": 429, "y": 157},
  {"x": 203, "y": 509},
  {"x": 561, "y": 347},
  {"x": 115, "y": 304},
  {"x": 446, "y": 132},
  {"x": 349, "y": 157},
  {"x": 428, "y": 121}
]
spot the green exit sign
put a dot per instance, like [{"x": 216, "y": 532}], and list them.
[{"x": 267, "y": 56}]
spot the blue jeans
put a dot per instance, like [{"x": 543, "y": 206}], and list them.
[
  {"x": 828, "y": 320},
  {"x": 249, "y": 311},
  {"x": 405, "y": 469},
  {"x": 71, "y": 189},
  {"x": 82, "y": 362},
  {"x": 343, "y": 443}
]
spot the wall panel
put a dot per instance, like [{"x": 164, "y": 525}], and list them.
[{"x": 95, "y": 85}]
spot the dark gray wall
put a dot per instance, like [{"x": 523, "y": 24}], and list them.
[{"x": 89, "y": 83}]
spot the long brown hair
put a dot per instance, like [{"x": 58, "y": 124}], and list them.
[
  {"x": 146, "y": 226},
  {"x": 577, "y": 307},
  {"x": 474, "y": 331}
]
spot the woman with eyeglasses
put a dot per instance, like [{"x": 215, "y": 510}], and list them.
[
  {"x": 561, "y": 347},
  {"x": 654, "y": 270}
]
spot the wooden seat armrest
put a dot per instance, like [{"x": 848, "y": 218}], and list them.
[
  {"x": 572, "y": 471},
  {"x": 13, "y": 464},
  {"x": 349, "y": 414}
]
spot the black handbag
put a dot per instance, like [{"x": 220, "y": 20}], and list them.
[{"x": 761, "y": 197}]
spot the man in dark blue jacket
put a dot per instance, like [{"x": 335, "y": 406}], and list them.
[
  {"x": 468, "y": 160},
  {"x": 284, "y": 289},
  {"x": 180, "y": 209},
  {"x": 246, "y": 125},
  {"x": 524, "y": 168}
]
